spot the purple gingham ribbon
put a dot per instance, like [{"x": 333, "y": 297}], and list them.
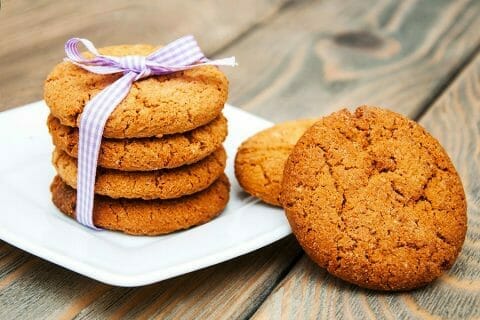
[{"x": 181, "y": 54}]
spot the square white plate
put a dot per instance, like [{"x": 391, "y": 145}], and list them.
[{"x": 29, "y": 221}]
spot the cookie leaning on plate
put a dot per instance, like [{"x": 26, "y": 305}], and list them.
[
  {"x": 157, "y": 105},
  {"x": 260, "y": 159},
  {"x": 158, "y": 184},
  {"x": 373, "y": 198},
  {"x": 148, "y": 217},
  {"x": 144, "y": 154}
]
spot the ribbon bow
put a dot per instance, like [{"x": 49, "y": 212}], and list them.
[{"x": 181, "y": 54}]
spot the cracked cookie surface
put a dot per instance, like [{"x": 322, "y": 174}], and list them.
[
  {"x": 373, "y": 198},
  {"x": 144, "y": 154},
  {"x": 158, "y": 184},
  {"x": 155, "y": 106},
  {"x": 260, "y": 159},
  {"x": 148, "y": 217}
]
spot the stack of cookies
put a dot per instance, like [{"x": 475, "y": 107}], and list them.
[{"x": 161, "y": 162}]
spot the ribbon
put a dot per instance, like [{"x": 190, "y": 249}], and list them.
[{"x": 181, "y": 54}]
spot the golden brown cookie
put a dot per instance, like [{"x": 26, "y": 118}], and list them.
[
  {"x": 155, "y": 106},
  {"x": 144, "y": 154},
  {"x": 148, "y": 217},
  {"x": 373, "y": 198},
  {"x": 158, "y": 184},
  {"x": 260, "y": 159}
]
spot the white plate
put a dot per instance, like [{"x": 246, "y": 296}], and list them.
[{"x": 29, "y": 221}]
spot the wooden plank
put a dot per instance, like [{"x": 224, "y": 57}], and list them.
[
  {"x": 33, "y": 33},
  {"x": 236, "y": 288},
  {"x": 326, "y": 54},
  {"x": 309, "y": 292}
]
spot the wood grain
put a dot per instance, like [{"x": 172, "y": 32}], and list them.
[
  {"x": 305, "y": 58},
  {"x": 33, "y": 32},
  {"x": 322, "y": 55},
  {"x": 310, "y": 292}
]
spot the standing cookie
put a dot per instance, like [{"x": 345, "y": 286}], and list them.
[
  {"x": 374, "y": 199},
  {"x": 260, "y": 159}
]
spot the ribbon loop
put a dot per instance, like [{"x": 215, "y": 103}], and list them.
[{"x": 181, "y": 54}]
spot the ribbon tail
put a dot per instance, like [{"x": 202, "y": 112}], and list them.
[
  {"x": 92, "y": 123},
  {"x": 229, "y": 62}
]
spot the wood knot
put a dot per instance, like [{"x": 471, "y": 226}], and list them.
[{"x": 358, "y": 39}]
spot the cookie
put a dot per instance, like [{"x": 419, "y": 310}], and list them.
[
  {"x": 148, "y": 217},
  {"x": 373, "y": 198},
  {"x": 144, "y": 154},
  {"x": 158, "y": 184},
  {"x": 155, "y": 106},
  {"x": 260, "y": 159}
]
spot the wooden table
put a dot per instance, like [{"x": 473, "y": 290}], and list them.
[{"x": 297, "y": 59}]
